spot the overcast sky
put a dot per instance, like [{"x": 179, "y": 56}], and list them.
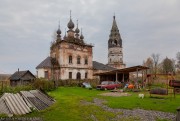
[{"x": 146, "y": 27}]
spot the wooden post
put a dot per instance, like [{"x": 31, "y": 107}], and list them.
[
  {"x": 142, "y": 79},
  {"x": 136, "y": 83},
  {"x": 178, "y": 114},
  {"x": 116, "y": 77},
  {"x": 123, "y": 77}
]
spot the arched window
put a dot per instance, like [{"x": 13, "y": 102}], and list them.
[
  {"x": 86, "y": 61},
  {"x": 78, "y": 76},
  {"x": 78, "y": 60},
  {"x": 86, "y": 75},
  {"x": 70, "y": 59},
  {"x": 70, "y": 75},
  {"x": 115, "y": 42}
]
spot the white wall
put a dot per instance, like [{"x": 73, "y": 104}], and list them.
[
  {"x": 65, "y": 73},
  {"x": 40, "y": 73}
]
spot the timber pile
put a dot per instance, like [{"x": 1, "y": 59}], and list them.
[{"x": 24, "y": 102}]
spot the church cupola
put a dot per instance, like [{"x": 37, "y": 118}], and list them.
[
  {"x": 114, "y": 37},
  {"x": 81, "y": 37},
  {"x": 70, "y": 25},
  {"x": 77, "y": 31},
  {"x": 58, "y": 33}
]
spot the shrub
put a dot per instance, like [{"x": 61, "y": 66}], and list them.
[
  {"x": 44, "y": 84},
  {"x": 16, "y": 89},
  {"x": 74, "y": 82}
]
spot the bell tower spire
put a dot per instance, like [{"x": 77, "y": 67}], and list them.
[{"x": 115, "y": 52}]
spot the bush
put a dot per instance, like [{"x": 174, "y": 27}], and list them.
[
  {"x": 44, "y": 84},
  {"x": 74, "y": 82},
  {"x": 16, "y": 89}
]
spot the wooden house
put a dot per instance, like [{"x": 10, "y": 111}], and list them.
[{"x": 21, "y": 78}]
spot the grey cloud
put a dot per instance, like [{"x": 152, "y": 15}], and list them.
[{"x": 146, "y": 27}]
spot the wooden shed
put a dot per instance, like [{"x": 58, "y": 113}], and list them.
[{"x": 22, "y": 78}]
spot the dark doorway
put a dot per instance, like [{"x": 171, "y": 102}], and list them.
[{"x": 78, "y": 76}]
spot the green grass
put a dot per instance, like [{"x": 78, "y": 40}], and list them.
[
  {"x": 68, "y": 105},
  {"x": 156, "y": 102}
]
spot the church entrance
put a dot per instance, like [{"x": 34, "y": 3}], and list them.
[{"x": 78, "y": 76}]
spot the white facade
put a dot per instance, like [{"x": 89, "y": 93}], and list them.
[{"x": 62, "y": 53}]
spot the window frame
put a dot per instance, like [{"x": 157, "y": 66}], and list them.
[
  {"x": 70, "y": 59},
  {"x": 70, "y": 75},
  {"x": 78, "y": 59},
  {"x": 86, "y": 61}
]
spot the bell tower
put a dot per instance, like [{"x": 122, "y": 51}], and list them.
[{"x": 115, "y": 52}]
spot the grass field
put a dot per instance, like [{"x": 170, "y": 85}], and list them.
[{"x": 68, "y": 105}]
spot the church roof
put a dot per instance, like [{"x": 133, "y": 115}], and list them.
[
  {"x": 114, "y": 37},
  {"x": 45, "y": 63},
  {"x": 100, "y": 66},
  {"x": 114, "y": 25}
]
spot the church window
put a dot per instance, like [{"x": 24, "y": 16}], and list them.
[
  {"x": 78, "y": 76},
  {"x": 115, "y": 42},
  {"x": 78, "y": 60},
  {"x": 70, "y": 75},
  {"x": 86, "y": 61},
  {"x": 46, "y": 74},
  {"x": 70, "y": 59},
  {"x": 86, "y": 75}
]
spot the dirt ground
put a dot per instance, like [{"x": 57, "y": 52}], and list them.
[{"x": 115, "y": 94}]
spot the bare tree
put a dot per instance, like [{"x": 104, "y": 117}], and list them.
[
  {"x": 155, "y": 58},
  {"x": 149, "y": 63}
]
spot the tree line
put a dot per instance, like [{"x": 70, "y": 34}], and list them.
[{"x": 166, "y": 66}]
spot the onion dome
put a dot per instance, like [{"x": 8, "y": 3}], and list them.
[
  {"x": 81, "y": 37},
  {"x": 70, "y": 25},
  {"x": 77, "y": 29},
  {"x": 58, "y": 32}
]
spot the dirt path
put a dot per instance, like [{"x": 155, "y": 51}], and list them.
[{"x": 143, "y": 115}]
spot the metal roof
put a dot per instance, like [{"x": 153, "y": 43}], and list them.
[
  {"x": 124, "y": 70},
  {"x": 22, "y": 103},
  {"x": 37, "y": 99},
  {"x": 3, "y": 107}
]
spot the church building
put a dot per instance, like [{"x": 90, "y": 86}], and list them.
[{"x": 70, "y": 57}]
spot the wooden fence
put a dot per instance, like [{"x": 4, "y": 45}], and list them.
[{"x": 3, "y": 84}]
